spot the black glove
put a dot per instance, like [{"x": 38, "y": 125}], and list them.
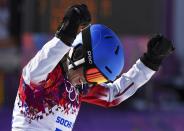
[
  {"x": 75, "y": 16},
  {"x": 157, "y": 49}
]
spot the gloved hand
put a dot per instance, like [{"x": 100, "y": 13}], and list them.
[
  {"x": 158, "y": 48},
  {"x": 75, "y": 16}
]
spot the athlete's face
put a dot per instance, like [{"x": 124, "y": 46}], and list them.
[{"x": 76, "y": 77}]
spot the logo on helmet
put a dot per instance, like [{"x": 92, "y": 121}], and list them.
[{"x": 90, "y": 57}]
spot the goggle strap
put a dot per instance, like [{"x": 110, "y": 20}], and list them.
[
  {"x": 86, "y": 37},
  {"x": 71, "y": 52},
  {"x": 70, "y": 61},
  {"x": 76, "y": 63}
]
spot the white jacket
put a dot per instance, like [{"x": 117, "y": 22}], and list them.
[{"x": 46, "y": 101}]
